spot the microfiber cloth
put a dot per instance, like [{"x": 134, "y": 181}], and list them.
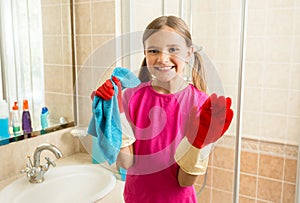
[{"x": 105, "y": 123}]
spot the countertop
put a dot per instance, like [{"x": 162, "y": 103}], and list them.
[{"x": 115, "y": 196}]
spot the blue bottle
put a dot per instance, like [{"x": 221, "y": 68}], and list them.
[
  {"x": 44, "y": 118},
  {"x": 4, "y": 124}
]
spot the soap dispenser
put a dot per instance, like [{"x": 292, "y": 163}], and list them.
[
  {"x": 15, "y": 119},
  {"x": 44, "y": 118},
  {"x": 4, "y": 125},
  {"x": 26, "y": 118}
]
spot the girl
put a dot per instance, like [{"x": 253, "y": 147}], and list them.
[{"x": 164, "y": 114}]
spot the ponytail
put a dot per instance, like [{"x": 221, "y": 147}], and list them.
[
  {"x": 144, "y": 74},
  {"x": 198, "y": 74}
]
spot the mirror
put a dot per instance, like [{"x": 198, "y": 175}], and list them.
[{"x": 37, "y": 61}]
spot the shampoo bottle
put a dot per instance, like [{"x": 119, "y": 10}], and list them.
[
  {"x": 26, "y": 118},
  {"x": 44, "y": 118},
  {"x": 15, "y": 119},
  {"x": 4, "y": 125}
]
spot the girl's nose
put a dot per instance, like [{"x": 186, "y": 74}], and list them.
[{"x": 163, "y": 57}]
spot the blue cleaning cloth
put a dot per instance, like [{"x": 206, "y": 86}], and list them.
[{"x": 105, "y": 123}]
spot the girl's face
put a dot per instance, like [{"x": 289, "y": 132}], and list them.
[{"x": 166, "y": 54}]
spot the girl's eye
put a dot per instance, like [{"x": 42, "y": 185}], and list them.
[
  {"x": 172, "y": 50},
  {"x": 152, "y": 51}
]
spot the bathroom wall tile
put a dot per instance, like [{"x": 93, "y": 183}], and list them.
[
  {"x": 279, "y": 16},
  {"x": 221, "y": 196},
  {"x": 243, "y": 199},
  {"x": 281, "y": 4},
  {"x": 275, "y": 101},
  {"x": 272, "y": 148},
  {"x": 252, "y": 99},
  {"x": 250, "y": 145},
  {"x": 104, "y": 50},
  {"x": 252, "y": 123},
  {"x": 223, "y": 158},
  {"x": 85, "y": 112},
  {"x": 248, "y": 185},
  {"x": 201, "y": 179},
  {"x": 206, "y": 28},
  {"x": 83, "y": 48},
  {"x": 291, "y": 151},
  {"x": 249, "y": 162},
  {"x": 258, "y": 4},
  {"x": 256, "y": 22},
  {"x": 271, "y": 167},
  {"x": 289, "y": 191},
  {"x": 85, "y": 88},
  {"x": 204, "y": 196},
  {"x": 276, "y": 76},
  {"x": 279, "y": 52},
  {"x": 294, "y": 103},
  {"x": 228, "y": 73},
  {"x": 230, "y": 5},
  {"x": 222, "y": 179},
  {"x": 253, "y": 74},
  {"x": 269, "y": 190},
  {"x": 274, "y": 127},
  {"x": 51, "y": 25},
  {"x": 295, "y": 75},
  {"x": 290, "y": 170},
  {"x": 68, "y": 80},
  {"x": 54, "y": 73},
  {"x": 67, "y": 50},
  {"x": 203, "y": 6},
  {"x": 231, "y": 45},
  {"x": 228, "y": 23},
  {"x": 53, "y": 50},
  {"x": 255, "y": 50},
  {"x": 296, "y": 21},
  {"x": 83, "y": 18},
  {"x": 293, "y": 130},
  {"x": 66, "y": 18},
  {"x": 103, "y": 15}
]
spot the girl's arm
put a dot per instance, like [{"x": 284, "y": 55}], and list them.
[
  {"x": 125, "y": 157},
  {"x": 185, "y": 179}
]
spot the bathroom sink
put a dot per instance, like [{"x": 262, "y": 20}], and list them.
[{"x": 76, "y": 184}]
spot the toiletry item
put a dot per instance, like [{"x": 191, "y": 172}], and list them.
[
  {"x": 4, "y": 125},
  {"x": 44, "y": 118},
  {"x": 26, "y": 118},
  {"x": 15, "y": 119}
]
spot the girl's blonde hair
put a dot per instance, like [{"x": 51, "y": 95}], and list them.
[{"x": 176, "y": 23}]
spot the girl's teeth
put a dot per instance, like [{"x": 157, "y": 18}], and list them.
[{"x": 164, "y": 68}]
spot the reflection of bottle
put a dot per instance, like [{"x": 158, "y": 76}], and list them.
[
  {"x": 15, "y": 119},
  {"x": 44, "y": 118},
  {"x": 26, "y": 118},
  {"x": 4, "y": 126}
]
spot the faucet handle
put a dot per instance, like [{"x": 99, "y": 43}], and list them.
[{"x": 50, "y": 161}]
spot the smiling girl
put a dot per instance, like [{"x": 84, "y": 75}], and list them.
[{"x": 167, "y": 156}]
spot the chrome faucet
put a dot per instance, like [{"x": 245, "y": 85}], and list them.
[{"x": 35, "y": 172}]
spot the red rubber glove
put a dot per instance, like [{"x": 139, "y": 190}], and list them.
[
  {"x": 106, "y": 90},
  {"x": 215, "y": 118}
]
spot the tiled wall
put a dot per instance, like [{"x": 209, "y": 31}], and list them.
[
  {"x": 268, "y": 172},
  {"x": 58, "y": 64}
]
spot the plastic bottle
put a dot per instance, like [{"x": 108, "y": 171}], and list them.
[
  {"x": 4, "y": 125},
  {"x": 15, "y": 119},
  {"x": 44, "y": 118},
  {"x": 26, "y": 118}
]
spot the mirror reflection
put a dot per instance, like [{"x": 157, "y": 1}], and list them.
[{"x": 36, "y": 65}]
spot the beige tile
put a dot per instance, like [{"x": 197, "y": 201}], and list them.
[
  {"x": 279, "y": 52},
  {"x": 222, "y": 179},
  {"x": 252, "y": 121},
  {"x": 243, "y": 199},
  {"x": 271, "y": 101},
  {"x": 249, "y": 162},
  {"x": 294, "y": 103},
  {"x": 252, "y": 99},
  {"x": 293, "y": 132},
  {"x": 289, "y": 192},
  {"x": 290, "y": 170},
  {"x": 276, "y": 76},
  {"x": 83, "y": 18},
  {"x": 221, "y": 196},
  {"x": 295, "y": 75},
  {"x": 271, "y": 167},
  {"x": 103, "y": 17},
  {"x": 248, "y": 185},
  {"x": 204, "y": 196},
  {"x": 66, "y": 19},
  {"x": 276, "y": 22},
  {"x": 51, "y": 19},
  {"x": 274, "y": 127},
  {"x": 223, "y": 158},
  {"x": 53, "y": 50},
  {"x": 253, "y": 74},
  {"x": 255, "y": 49},
  {"x": 84, "y": 50},
  {"x": 269, "y": 190},
  {"x": 54, "y": 73}
]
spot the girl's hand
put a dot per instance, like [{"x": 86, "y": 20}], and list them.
[{"x": 215, "y": 118}]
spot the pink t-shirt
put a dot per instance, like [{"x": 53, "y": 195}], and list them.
[{"x": 158, "y": 121}]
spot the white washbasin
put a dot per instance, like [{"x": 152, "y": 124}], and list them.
[{"x": 74, "y": 184}]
